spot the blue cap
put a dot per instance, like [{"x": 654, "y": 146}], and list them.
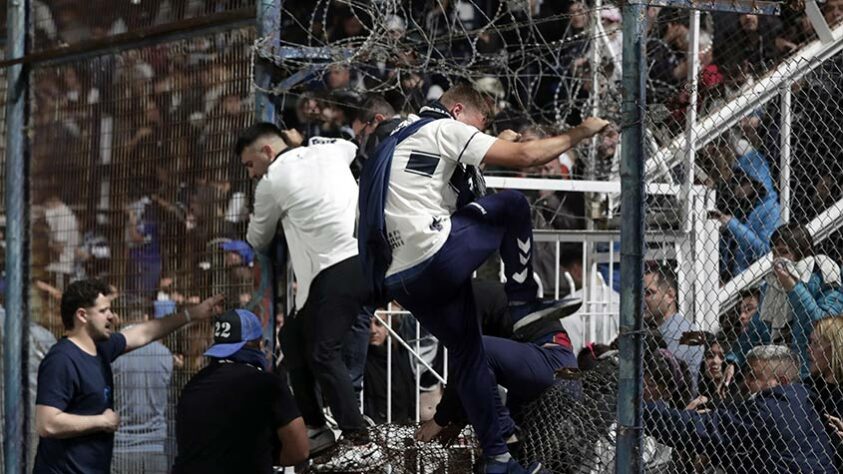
[
  {"x": 242, "y": 248},
  {"x": 232, "y": 330}
]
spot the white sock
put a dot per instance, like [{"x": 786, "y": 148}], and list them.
[{"x": 502, "y": 458}]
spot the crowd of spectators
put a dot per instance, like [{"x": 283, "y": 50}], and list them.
[{"x": 134, "y": 181}]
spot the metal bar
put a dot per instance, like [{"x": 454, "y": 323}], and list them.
[
  {"x": 418, "y": 372},
  {"x": 755, "y": 7},
  {"x": 815, "y": 16},
  {"x": 691, "y": 120},
  {"x": 189, "y": 28},
  {"x": 410, "y": 349},
  {"x": 611, "y": 278},
  {"x": 16, "y": 330},
  {"x": 784, "y": 179},
  {"x": 595, "y": 88},
  {"x": 749, "y": 99},
  {"x": 629, "y": 427},
  {"x": 268, "y": 24},
  {"x": 302, "y": 75},
  {"x": 595, "y": 108},
  {"x": 389, "y": 370},
  {"x": 556, "y": 271},
  {"x": 578, "y": 236},
  {"x": 445, "y": 364},
  {"x": 579, "y": 185},
  {"x": 269, "y": 29}
]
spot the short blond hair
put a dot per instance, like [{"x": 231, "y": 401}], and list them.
[
  {"x": 830, "y": 330},
  {"x": 468, "y": 96}
]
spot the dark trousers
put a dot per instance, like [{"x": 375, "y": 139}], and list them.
[
  {"x": 441, "y": 298},
  {"x": 313, "y": 344},
  {"x": 356, "y": 347},
  {"x": 524, "y": 368}
]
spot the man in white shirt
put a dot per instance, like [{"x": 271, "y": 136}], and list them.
[
  {"x": 438, "y": 236},
  {"x": 601, "y": 303},
  {"x": 312, "y": 193}
]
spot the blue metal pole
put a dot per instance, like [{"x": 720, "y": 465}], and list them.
[
  {"x": 16, "y": 325},
  {"x": 268, "y": 26},
  {"x": 629, "y": 431}
]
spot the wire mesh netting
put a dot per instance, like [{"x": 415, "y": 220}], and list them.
[
  {"x": 397, "y": 451},
  {"x": 750, "y": 307},
  {"x": 65, "y": 23},
  {"x": 570, "y": 428},
  {"x": 3, "y": 236},
  {"x": 133, "y": 181}
]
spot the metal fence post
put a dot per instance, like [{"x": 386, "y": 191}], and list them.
[
  {"x": 16, "y": 325},
  {"x": 268, "y": 23},
  {"x": 268, "y": 26},
  {"x": 629, "y": 431}
]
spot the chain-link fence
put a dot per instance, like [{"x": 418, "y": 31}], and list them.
[
  {"x": 133, "y": 181},
  {"x": 755, "y": 336}
]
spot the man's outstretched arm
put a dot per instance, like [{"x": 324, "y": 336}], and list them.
[
  {"x": 142, "y": 334},
  {"x": 538, "y": 152}
]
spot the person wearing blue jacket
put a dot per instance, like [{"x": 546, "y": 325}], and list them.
[
  {"x": 775, "y": 430},
  {"x": 754, "y": 216},
  {"x": 801, "y": 289}
]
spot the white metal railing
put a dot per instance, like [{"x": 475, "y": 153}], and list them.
[
  {"x": 598, "y": 316},
  {"x": 776, "y": 83},
  {"x": 385, "y": 319},
  {"x": 750, "y": 98}
]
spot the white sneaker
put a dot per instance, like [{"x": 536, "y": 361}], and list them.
[
  {"x": 351, "y": 458},
  {"x": 320, "y": 439}
]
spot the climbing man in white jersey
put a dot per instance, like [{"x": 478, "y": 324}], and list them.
[{"x": 422, "y": 234}]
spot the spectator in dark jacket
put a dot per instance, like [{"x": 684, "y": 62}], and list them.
[
  {"x": 666, "y": 54},
  {"x": 376, "y": 378},
  {"x": 738, "y": 438},
  {"x": 374, "y": 121}
]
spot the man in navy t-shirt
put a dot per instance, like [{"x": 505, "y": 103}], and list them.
[{"x": 74, "y": 412}]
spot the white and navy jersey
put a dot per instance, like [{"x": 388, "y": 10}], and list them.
[
  {"x": 312, "y": 192},
  {"x": 422, "y": 192}
]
